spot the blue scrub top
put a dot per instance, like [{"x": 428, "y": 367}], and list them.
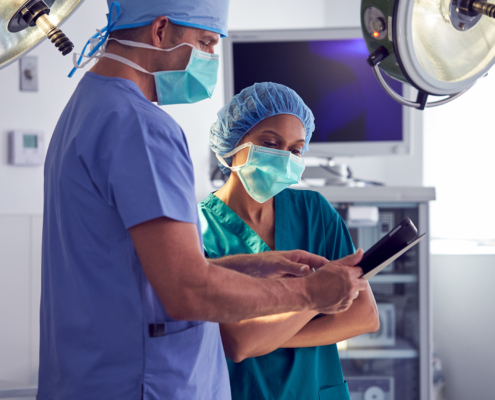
[
  {"x": 116, "y": 160},
  {"x": 303, "y": 220}
]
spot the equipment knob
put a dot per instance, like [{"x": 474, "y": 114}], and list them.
[{"x": 377, "y": 25}]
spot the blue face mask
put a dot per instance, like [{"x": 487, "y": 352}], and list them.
[
  {"x": 267, "y": 171},
  {"x": 191, "y": 85}
]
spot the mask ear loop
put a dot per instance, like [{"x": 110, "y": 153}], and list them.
[{"x": 231, "y": 153}]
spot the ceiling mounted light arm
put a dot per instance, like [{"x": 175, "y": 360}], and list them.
[{"x": 421, "y": 102}]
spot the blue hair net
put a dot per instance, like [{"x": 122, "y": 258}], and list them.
[
  {"x": 251, "y": 106},
  {"x": 210, "y": 15}
]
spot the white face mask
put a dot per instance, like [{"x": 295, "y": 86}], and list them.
[{"x": 267, "y": 171}]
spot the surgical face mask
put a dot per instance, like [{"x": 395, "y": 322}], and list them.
[
  {"x": 267, "y": 171},
  {"x": 191, "y": 85}
]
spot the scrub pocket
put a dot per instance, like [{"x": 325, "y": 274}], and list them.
[
  {"x": 179, "y": 364},
  {"x": 339, "y": 392}
]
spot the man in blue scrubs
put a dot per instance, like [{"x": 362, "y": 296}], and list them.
[{"x": 125, "y": 286}]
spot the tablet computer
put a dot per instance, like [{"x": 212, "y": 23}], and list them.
[{"x": 389, "y": 248}]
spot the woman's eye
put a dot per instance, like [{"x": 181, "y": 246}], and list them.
[
  {"x": 296, "y": 152},
  {"x": 269, "y": 144}
]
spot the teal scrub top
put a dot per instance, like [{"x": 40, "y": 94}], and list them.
[{"x": 303, "y": 220}]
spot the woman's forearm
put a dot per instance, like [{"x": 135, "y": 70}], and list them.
[
  {"x": 361, "y": 317},
  {"x": 259, "y": 336}
]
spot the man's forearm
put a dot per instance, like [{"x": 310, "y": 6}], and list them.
[
  {"x": 223, "y": 295},
  {"x": 247, "y": 264}
]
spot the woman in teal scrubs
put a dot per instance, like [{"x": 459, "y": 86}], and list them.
[{"x": 259, "y": 138}]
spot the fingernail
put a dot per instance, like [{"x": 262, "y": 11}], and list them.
[{"x": 304, "y": 267}]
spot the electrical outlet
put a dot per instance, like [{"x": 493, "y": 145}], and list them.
[{"x": 28, "y": 69}]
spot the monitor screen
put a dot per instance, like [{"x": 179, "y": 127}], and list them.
[{"x": 333, "y": 79}]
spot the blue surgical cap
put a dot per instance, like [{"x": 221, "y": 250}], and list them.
[
  {"x": 251, "y": 106},
  {"x": 210, "y": 15}
]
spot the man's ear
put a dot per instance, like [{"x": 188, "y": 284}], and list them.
[{"x": 160, "y": 32}]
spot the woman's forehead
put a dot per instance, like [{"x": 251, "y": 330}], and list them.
[{"x": 283, "y": 124}]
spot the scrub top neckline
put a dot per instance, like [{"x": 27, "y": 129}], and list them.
[
  {"x": 127, "y": 82},
  {"x": 229, "y": 217}
]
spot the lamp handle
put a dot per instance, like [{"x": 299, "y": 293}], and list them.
[{"x": 402, "y": 100}]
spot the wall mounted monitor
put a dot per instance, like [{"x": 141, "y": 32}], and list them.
[{"x": 327, "y": 68}]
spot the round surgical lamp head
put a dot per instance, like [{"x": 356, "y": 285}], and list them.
[
  {"x": 441, "y": 47},
  {"x": 24, "y": 24}
]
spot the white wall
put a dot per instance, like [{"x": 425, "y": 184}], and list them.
[
  {"x": 464, "y": 324},
  {"x": 459, "y": 162},
  {"x": 21, "y": 189},
  {"x": 20, "y": 288}
]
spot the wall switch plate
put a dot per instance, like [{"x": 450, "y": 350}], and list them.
[
  {"x": 28, "y": 70},
  {"x": 26, "y": 148}
]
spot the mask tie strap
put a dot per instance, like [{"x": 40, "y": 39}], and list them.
[
  {"x": 125, "y": 61},
  {"x": 97, "y": 40},
  {"x": 148, "y": 46}
]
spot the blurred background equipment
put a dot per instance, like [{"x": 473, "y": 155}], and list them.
[{"x": 371, "y": 388}]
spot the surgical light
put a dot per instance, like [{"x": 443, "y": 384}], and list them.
[
  {"x": 24, "y": 24},
  {"x": 441, "y": 47}
]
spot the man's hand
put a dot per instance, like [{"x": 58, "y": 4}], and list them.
[
  {"x": 274, "y": 264},
  {"x": 333, "y": 287}
]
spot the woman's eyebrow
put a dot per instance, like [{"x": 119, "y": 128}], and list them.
[
  {"x": 280, "y": 136},
  {"x": 272, "y": 132}
]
